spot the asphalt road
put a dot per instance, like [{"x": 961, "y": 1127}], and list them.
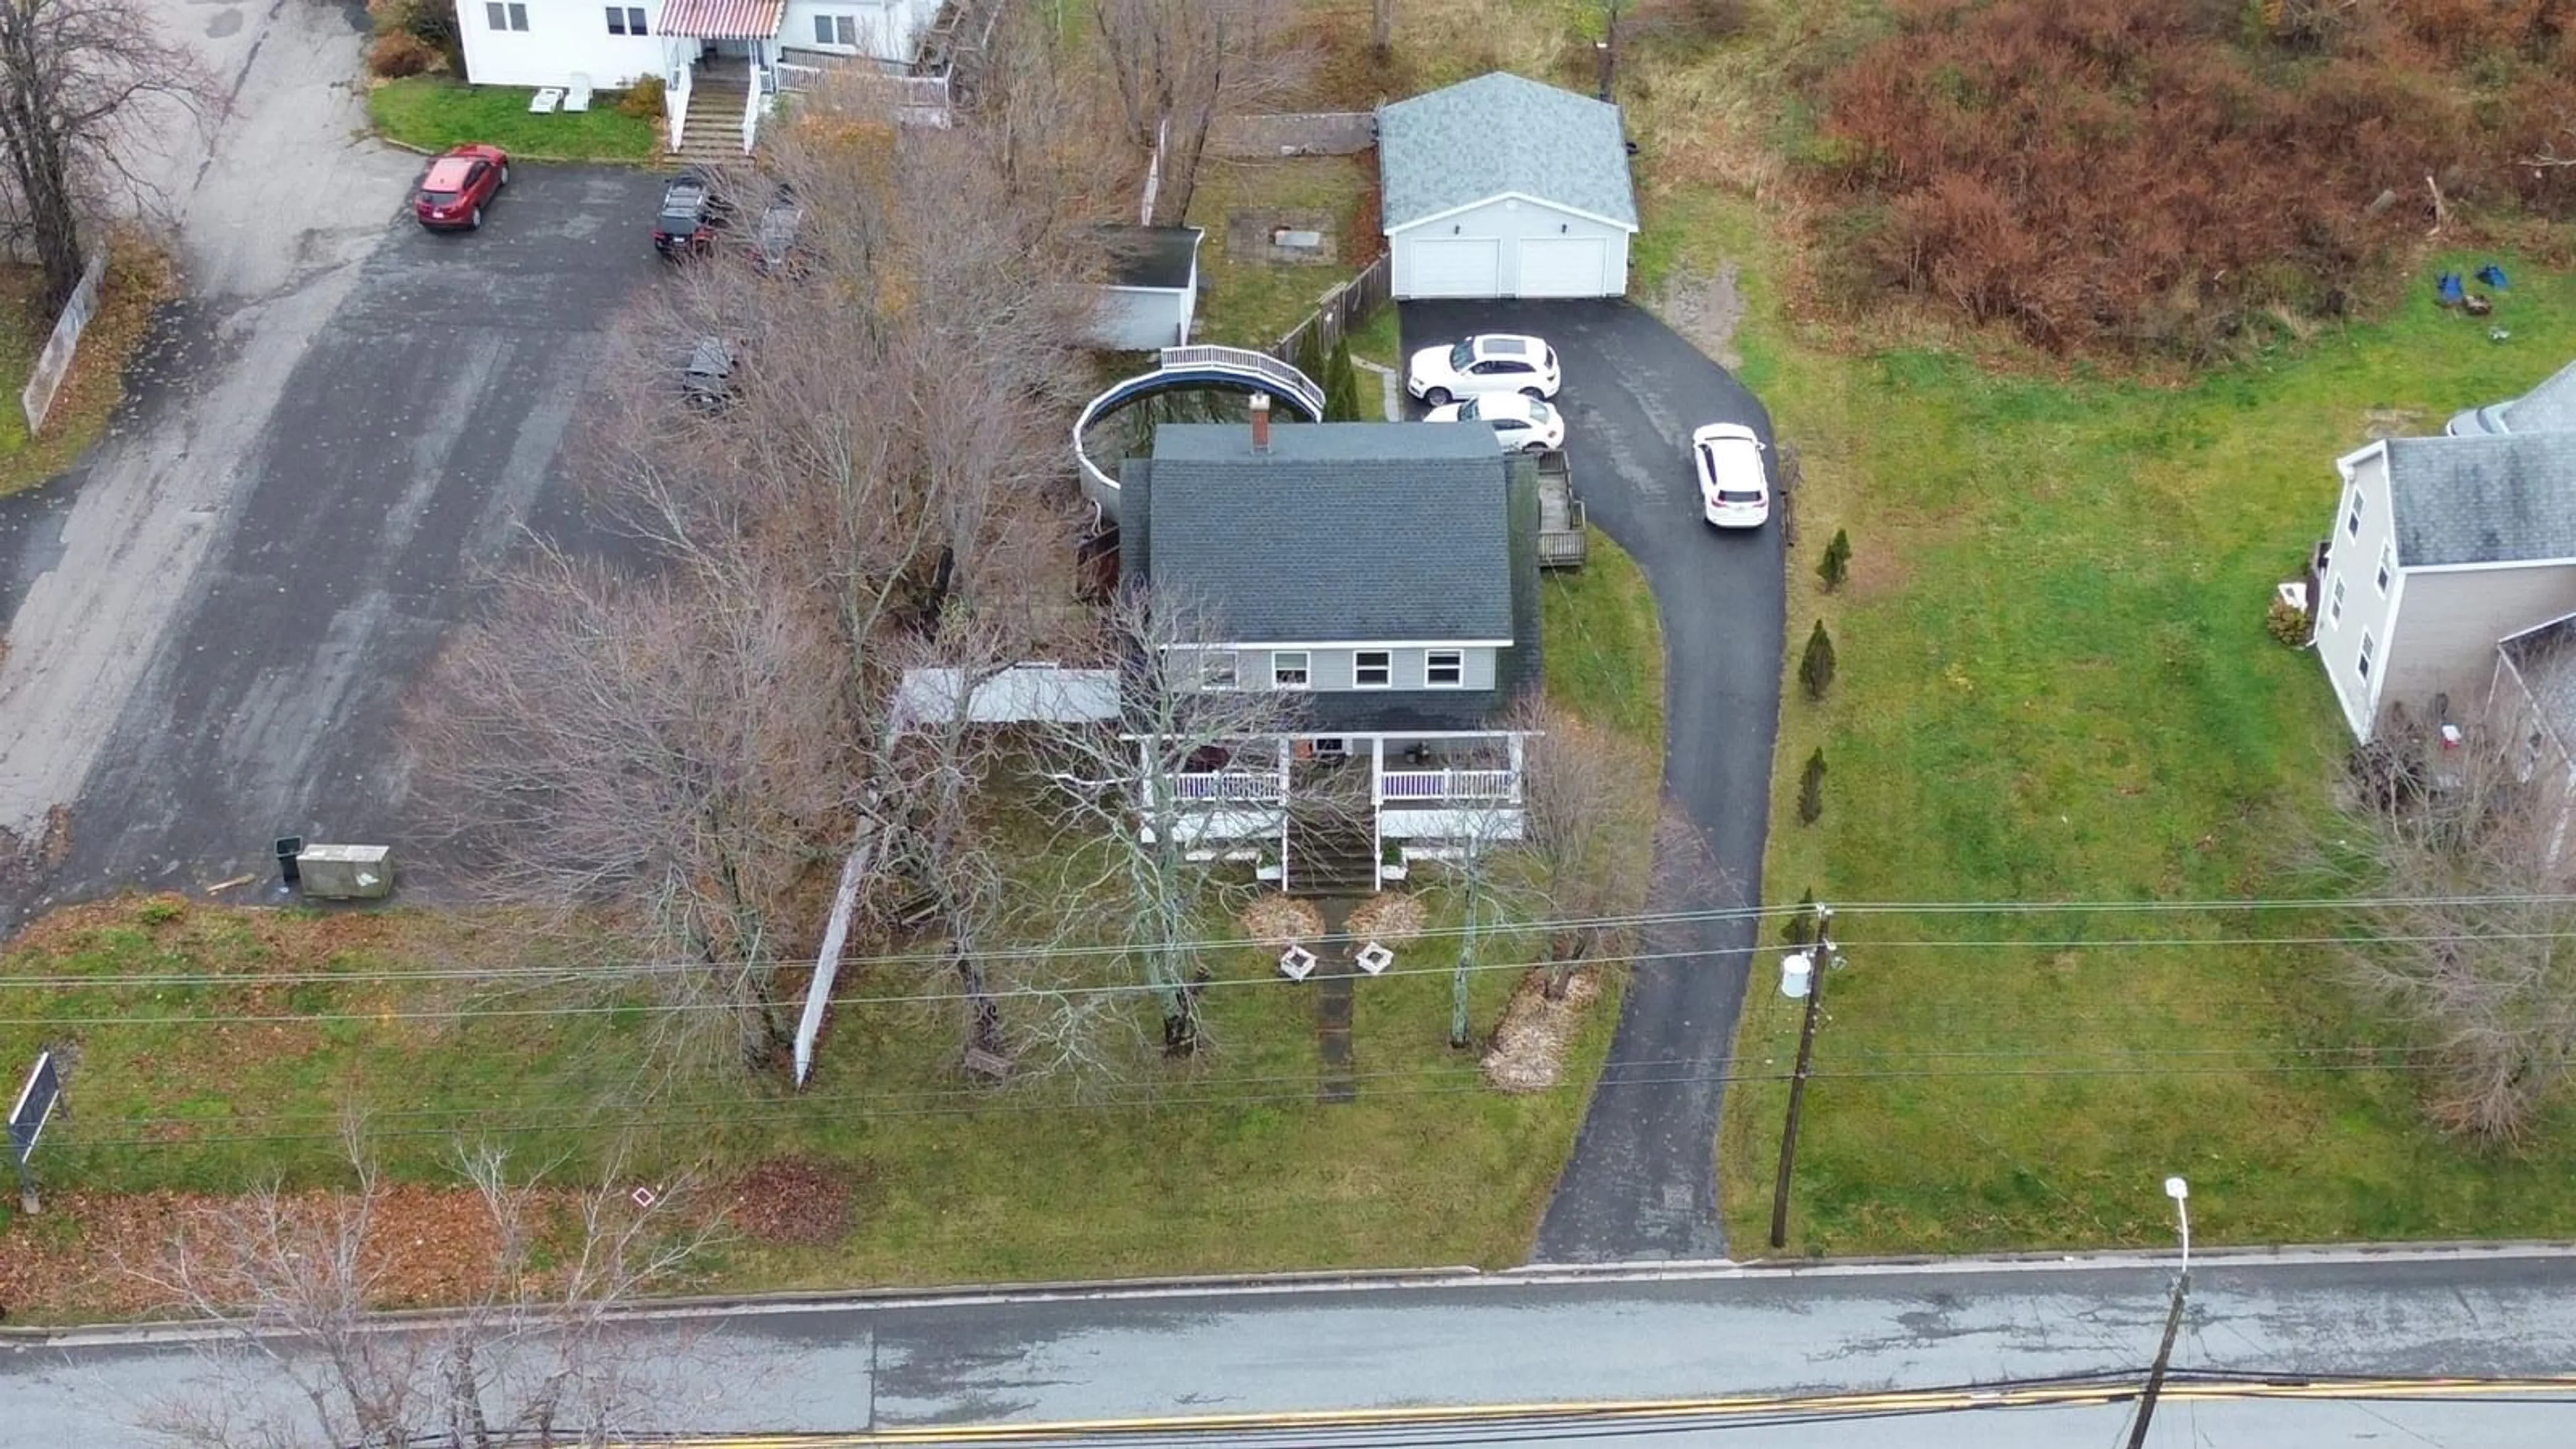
[
  {"x": 212, "y": 623},
  {"x": 1641, "y": 1184},
  {"x": 1562, "y": 1338}
]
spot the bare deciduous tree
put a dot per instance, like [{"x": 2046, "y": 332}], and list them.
[
  {"x": 1121, "y": 786},
  {"x": 664, "y": 748},
  {"x": 82, "y": 83},
  {"x": 2460, "y": 851},
  {"x": 1182, "y": 64},
  {"x": 1592, "y": 809},
  {"x": 536, "y": 1356}
]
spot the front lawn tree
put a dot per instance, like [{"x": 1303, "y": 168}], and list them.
[
  {"x": 1116, "y": 788},
  {"x": 83, "y": 83},
  {"x": 2464, "y": 853},
  {"x": 1179, "y": 65}
]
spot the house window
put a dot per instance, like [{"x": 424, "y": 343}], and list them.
[
  {"x": 625, "y": 20},
  {"x": 2352, "y": 520},
  {"x": 1216, "y": 669},
  {"x": 1444, "y": 668},
  {"x": 837, "y": 30},
  {"x": 2334, "y": 604},
  {"x": 1372, "y": 669},
  {"x": 2368, "y": 647},
  {"x": 1288, "y": 669},
  {"x": 2387, "y": 565},
  {"x": 511, "y": 16}
]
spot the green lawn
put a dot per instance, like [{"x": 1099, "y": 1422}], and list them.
[
  {"x": 2054, "y": 684},
  {"x": 1232, "y": 1166},
  {"x": 1249, "y": 303},
  {"x": 1605, "y": 654},
  {"x": 433, "y": 113}
]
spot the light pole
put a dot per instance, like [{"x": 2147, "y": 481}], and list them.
[{"x": 2180, "y": 1192}]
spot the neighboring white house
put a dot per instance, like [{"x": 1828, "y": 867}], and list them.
[
  {"x": 1504, "y": 187},
  {"x": 2442, "y": 547},
  {"x": 1151, "y": 294},
  {"x": 742, "y": 48},
  {"x": 1387, "y": 573}
]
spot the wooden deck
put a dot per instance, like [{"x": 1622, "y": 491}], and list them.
[{"x": 1560, "y": 520}]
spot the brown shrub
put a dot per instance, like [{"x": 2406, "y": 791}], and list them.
[
  {"x": 642, "y": 100},
  {"x": 2116, "y": 172},
  {"x": 400, "y": 54}
]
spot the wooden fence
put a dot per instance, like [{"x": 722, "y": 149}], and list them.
[{"x": 1343, "y": 308}]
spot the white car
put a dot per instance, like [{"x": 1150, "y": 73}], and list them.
[
  {"x": 1734, "y": 483},
  {"x": 1483, "y": 366},
  {"x": 1519, "y": 422}
]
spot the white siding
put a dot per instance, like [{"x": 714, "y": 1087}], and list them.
[
  {"x": 1508, "y": 222},
  {"x": 563, "y": 38},
  {"x": 886, "y": 29},
  {"x": 2352, "y": 561},
  {"x": 2447, "y": 635}
]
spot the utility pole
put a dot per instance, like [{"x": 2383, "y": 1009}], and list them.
[
  {"x": 2180, "y": 1191},
  {"x": 1822, "y": 956}
]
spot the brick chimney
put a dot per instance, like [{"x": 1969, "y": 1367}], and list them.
[{"x": 1261, "y": 422}]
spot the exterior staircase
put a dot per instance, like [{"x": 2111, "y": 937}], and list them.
[
  {"x": 1330, "y": 854},
  {"x": 712, "y": 134}
]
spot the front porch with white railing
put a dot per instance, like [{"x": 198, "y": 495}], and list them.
[{"x": 1428, "y": 794}]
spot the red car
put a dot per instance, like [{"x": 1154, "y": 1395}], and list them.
[{"x": 459, "y": 185}]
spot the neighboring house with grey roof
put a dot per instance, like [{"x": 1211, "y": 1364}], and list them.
[
  {"x": 1385, "y": 572},
  {"x": 2442, "y": 548},
  {"x": 1505, "y": 187},
  {"x": 2548, "y": 408}
]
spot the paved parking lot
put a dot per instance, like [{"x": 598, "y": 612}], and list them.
[
  {"x": 417, "y": 428},
  {"x": 1642, "y": 1183}
]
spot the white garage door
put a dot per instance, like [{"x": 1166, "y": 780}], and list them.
[
  {"x": 1563, "y": 266},
  {"x": 1456, "y": 267}
]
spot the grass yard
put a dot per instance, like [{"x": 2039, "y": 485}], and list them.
[
  {"x": 212, "y": 1049},
  {"x": 136, "y": 281},
  {"x": 432, "y": 113},
  {"x": 2054, "y": 685},
  {"x": 1252, "y": 303}
]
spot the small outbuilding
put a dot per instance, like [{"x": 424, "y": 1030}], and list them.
[
  {"x": 1505, "y": 187},
  {"x": 1150, "y": 295}
]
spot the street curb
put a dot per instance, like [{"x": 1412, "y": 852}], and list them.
[{"x": 177, "y": 1331}]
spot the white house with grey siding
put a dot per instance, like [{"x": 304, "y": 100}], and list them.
[
  {"x": 1503, "y": 187},
  {"x": 1387, "y": 574},
  {"x": 2442, "y": 547}
]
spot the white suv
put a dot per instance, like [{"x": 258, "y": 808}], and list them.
[
  {"x": 1519, "y": 422},
  {"x": 1493, "y": 362}
]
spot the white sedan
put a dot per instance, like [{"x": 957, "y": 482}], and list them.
[
  {"x": 1487, "y": 365},
  {"x": 1517, "y": 421},
  {"x": 1734, "y": 485}
]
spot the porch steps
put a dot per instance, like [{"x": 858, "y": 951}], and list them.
[
  {"x": 1330, "y": 856},
  {"x": 712, "y": 134}
]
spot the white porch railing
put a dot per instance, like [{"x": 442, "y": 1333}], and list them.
[
  {"x": 1253, "y": 785},
  {"x": 754, "y": 100},
  {"x": 1404, "y": 786}
]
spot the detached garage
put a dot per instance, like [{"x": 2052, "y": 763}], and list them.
[{"x": 1503, "y": 187}]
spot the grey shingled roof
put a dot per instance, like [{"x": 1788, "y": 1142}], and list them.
[
  {"x": 1342, "y": 531},
  {"x": 2496, "y": 499},
  {"x": 1499, "y": 133},
  {"x": 2548, "y": 408},
  {"x": 1164, "y": 258}
]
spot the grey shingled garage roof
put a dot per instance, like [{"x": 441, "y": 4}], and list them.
[
  {"x": 1499, "y": 133},
  {"x": 1342, "y": 532},
  {"x": 2507, "y": 499}
]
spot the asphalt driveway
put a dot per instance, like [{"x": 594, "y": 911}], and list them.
[
  {"x": 395, "y": 451},
  {"x": 1642, "y": 1181}
]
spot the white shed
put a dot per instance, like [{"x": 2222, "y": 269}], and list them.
[
  {"x": 1504, "y": 187},
  {"x": 1151, "y": 293}
]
